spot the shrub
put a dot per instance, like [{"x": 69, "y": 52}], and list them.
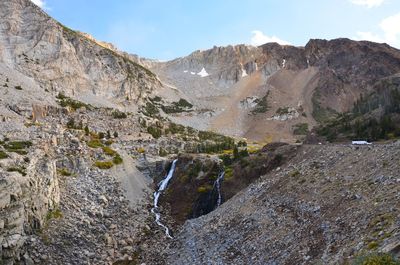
[
  {"x": 18, "y": 145},
  {"x": 261, "y": 105},
  {"x": 109, "y": 142},
  {"x": 154, "y": 131},
  {"x": 65, "y": 101},
  {"x": 115, "y": 134},
  {"x": 104, "y": 164},
  {"x": 87, "y": 130},
  {"x": 300, "y": 129},
  {"x": 282, "y": 111},
  {"x": 108, "y": 151},
  {"x": 141, "y": 150},
  {"x": 117, "y": 160},
  {"x": 18, "y": 87},
  {"x": 3, "y": 155},
  {"x": 20, "y": 170},
  {"x": 95, "y": 143},
  {"x": 64, "y": 172},
  {"x": 101, "y": 135},
  {"x": 119, "y": 114}
]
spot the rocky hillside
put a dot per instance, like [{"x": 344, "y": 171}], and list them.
[
  {"x": 325, "y": 206},
  {"x": 267, "y": 92}
]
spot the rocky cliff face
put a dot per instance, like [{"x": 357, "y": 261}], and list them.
[
  {"x": 29, "y": 189},
  {"x": 62, "y": 60}
]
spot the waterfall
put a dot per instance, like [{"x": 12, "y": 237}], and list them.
[
  {"x": 163, "y": 184},
  {"x": 217, "y": 184}
]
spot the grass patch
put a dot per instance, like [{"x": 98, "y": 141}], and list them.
[{"x": 104, "y": 164}]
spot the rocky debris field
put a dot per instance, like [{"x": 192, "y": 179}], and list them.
[{"x": 327, "y": 205}]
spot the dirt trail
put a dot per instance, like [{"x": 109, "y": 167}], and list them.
[{"x": 134, "y": 182}]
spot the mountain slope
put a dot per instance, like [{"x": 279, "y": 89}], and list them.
[
  {"x": 324, "y": 206},
  {"x": 264, "y": 92}
]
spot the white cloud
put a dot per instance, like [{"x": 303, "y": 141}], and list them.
[
  {"x": 390, "y": 32},
  {"x": 368, "y": 3},
  {"x": 260, "y": 38},
  {"x": 39, "y": 3}
]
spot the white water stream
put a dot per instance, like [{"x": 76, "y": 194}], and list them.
[
  {"x": 217, "y": 184},
  {"x": 163, "y": 185}
]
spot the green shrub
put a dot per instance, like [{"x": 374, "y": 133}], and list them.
[
  {"x": 372, "y": 245},
  {"x": 65, "y": 101},
  {"x": 104, "y": 164},
  {"x": 300, "y": 129},
  {"x": 3, "y": 155},
  {"x": 150, "y": 110},
  {"x": 154, "y": 131},
  {"x": 20, "y": 170},
  {"x": 18, "y": 87},
  {"x": 64, "y": 172},
  {"x": 176, "y": 107},
  {"x": 117, "y": 160},
  {"x": 95, "y": 143},
  {"x": 261, "y": 105},
  {"x": 108, "y": 151},
  {"x": 282, "y": 111},
  {"x": 119, "y": 114},
  {"x": 18, "y": 145}
]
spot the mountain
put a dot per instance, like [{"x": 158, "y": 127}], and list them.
[
  {"x": 110, "y": 158},
  {"x": 264, "y": 92},
  {"x": 59, "y": 59}
]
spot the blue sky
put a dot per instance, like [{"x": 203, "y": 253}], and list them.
[{"x": 166, "y": 29}]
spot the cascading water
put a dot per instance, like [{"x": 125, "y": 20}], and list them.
[
  {"x": 163, "y": 184},
  {"x": 217, "y": 184}
]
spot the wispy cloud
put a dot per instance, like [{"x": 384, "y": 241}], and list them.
[
  {"x": 260, "y": 38},
  {"x": 390, "y": 32},
  {"x": 40, "y": 3},
  {"x": 368, "y": 3}
]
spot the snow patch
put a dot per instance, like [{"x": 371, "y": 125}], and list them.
[
  {"x": 185, "y": 71},
  {"x": 283, "y": 63},
  {"x": 203, "y": 73},
  {"x": 244, "y": 73},
  {"x": 192, "y": 73}
]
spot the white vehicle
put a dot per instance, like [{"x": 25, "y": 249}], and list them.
[{"x": 360, "y": 142}]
